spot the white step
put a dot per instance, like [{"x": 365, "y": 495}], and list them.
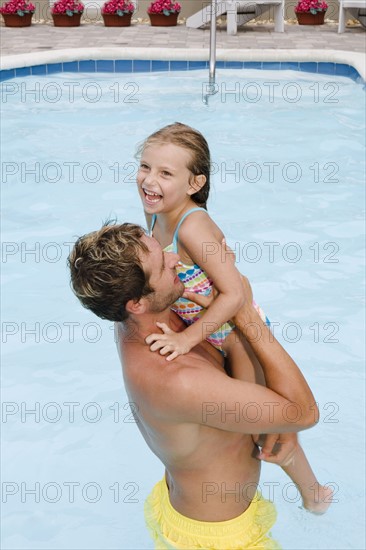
[
  {"x": 238, "y": 13},
  {"x": 357, "y": 8}
]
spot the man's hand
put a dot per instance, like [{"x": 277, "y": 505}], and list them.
[
  {"x": 175, "y": 343},
  {"x": 277, "y": 448}
]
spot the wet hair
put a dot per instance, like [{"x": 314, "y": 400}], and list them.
[
  {"x": 194, "y": 142},
  {"x": 106, "y": 269}
]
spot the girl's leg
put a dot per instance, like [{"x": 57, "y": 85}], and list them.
[
  {"x": 242, "y": 362},
  {"x": 243, "y": 365},
  {"x": 315, "y": 497}
]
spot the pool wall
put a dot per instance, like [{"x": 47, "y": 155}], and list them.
[{"x": 332, "y": 62}]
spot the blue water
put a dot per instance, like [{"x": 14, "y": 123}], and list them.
[{"x": 288, "y": 192}]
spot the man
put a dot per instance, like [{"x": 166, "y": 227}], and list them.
[{"x": 198, "y": 420}]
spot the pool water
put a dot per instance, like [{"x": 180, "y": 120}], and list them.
[{"x": 288, "y": 192}]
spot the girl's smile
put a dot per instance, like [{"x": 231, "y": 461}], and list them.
[{"x": 150, "y": 197}]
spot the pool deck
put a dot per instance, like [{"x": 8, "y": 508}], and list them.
[
  {"x": 253, "y": 41},
  {"x": 41, "y": 37}
]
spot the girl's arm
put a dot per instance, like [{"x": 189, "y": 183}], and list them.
[{"x": 201, "y": 242}]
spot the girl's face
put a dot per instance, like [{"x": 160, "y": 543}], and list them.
[{"x": 163, "y": 178}]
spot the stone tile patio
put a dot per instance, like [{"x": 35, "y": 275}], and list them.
[{"x": 43, "y": 36}]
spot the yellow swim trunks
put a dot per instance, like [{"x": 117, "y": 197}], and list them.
[{"x": 171, "y": 530}]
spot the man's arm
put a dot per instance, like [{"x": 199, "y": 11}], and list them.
[
  {"x": 208, "y": 396},
  {"x": 205, "y": 395},
  {"x": 281, "y": 373}
]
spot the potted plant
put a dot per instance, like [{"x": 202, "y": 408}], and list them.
[
  {"x": 164, "y": 13},
  {"x": 67, "y": 13},
  {"x": 117, "y": 13},
  {"x": 17, "y": 13},
  {"x": 311, "y": 12}
]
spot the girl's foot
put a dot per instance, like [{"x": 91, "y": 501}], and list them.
[{"x": 321, "y": 500}]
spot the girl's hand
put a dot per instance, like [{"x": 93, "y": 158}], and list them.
[
  {"x": 175, "y": 343},
  {"x": 278, "y": 449}
]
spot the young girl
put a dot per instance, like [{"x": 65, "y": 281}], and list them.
[{"x": 174, "y": 183}]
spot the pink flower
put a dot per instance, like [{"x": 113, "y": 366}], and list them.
[
  {"x": 164, "y": 6},
  {"x": 64, "y": 6},
  {"x": 114, "y": 6},
  {"x": 17, "y": 6},
  {"x": 312, "y": 6}
]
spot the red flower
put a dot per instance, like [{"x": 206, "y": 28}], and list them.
[
  {"x": 15, "y": 6},
  {"x": 164, "y": 6},
  {"x": 115, "y": 6},
  {"x": 65, "y": 6},
  {"x": 311, "y": 6}
]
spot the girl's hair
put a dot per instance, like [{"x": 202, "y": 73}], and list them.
[{"x": 194, "y": 142}]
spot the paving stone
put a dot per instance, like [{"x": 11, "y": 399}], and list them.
[{"x": 42, "y": 36}]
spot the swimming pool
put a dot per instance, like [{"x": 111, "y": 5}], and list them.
[{"x": 288, "y": 192}]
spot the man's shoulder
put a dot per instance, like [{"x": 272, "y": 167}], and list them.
[
  {"x": 174, "y": 376},
  {"x": 167, "y": 387},
  {"x": 181, "y": 385}
]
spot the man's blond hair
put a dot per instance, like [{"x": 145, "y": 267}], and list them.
[{"x": 106, "y": 269}]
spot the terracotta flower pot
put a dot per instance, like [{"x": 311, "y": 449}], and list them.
[
  {"x": 114, "y": 20},
  {"x": 307, "y": 18},
  {"x": 63, "y": 20},
  {"x": 15, "y": 20},
  {"x": 161, "y": 20}
]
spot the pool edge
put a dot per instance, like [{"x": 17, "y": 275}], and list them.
[{"x": 354, "y": 59}]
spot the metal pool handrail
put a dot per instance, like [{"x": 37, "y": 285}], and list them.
[
  {"x": 211, "y": 89},
  {"x": 213, "y": 42}
]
